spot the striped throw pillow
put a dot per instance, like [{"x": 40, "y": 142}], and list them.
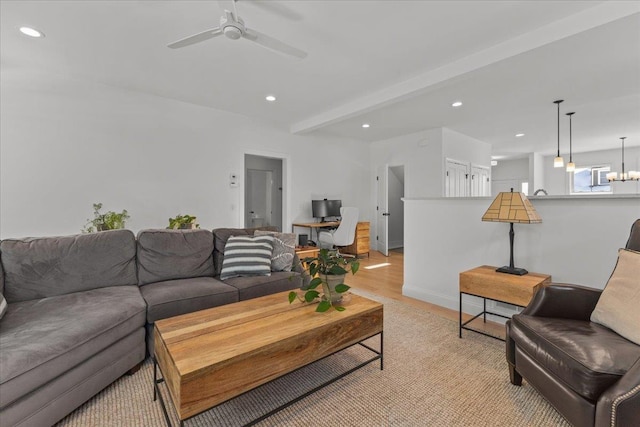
[
  {"x": 247, "y": 256},
  {"x": 3, "y": 305}
]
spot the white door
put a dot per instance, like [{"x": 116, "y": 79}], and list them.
[
  {"x": 382, "y": 211},
  {"x": 456, "y": 179},
  {"x": 480, "y": 182}
]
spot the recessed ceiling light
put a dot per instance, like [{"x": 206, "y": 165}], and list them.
[
  {"x": 518, "y": 135},
  {"x": 31, "y": 32},
  {"x": 457, "y": 104},
  {"x": 270, "y": 98},
  {"x": 494, "y": 163},
  {"x": 366, "y": 125}
]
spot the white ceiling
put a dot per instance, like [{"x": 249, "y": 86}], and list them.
[{"x": 395, "y": 64}]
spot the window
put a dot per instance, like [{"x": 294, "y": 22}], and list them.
[{"x": 590, "y": 179}]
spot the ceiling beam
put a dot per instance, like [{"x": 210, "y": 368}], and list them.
[{"x": 601, "y": 14}]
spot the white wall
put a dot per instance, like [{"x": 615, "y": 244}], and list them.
[
  {"x": 420, "y": 153},
  {"x": 461, "y": 147},
  {"x": 577, "y": 242},
  {"x": 536, "y": 172},
  {"x": 65, "y": 144},
  {"x": 509, "y": 174}
]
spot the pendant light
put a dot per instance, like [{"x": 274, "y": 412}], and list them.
[
  {"x": 571, "y": 167},
  {"x": 631, "y": 176},
  {"x": 558, "y": 162}
]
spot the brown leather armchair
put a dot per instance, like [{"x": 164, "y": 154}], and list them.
[{"x": 590, "y": 374}]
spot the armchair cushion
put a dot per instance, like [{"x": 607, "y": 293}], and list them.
[
  {"x": 587, "y": 357},
  {"x": 618, "y": 306}
]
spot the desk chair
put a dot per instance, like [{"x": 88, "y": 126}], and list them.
[{"x": 345, "y": 234}]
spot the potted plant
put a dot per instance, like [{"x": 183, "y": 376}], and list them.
[
  {"x": 328, "y": 269},
  {"x": 183, "y": 222},
  {"x": 105, "y": 221}
]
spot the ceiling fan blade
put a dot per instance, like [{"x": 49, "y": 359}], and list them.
[
  {"x": 273, "y": 44},
  {"x": 196, "y": 38}
]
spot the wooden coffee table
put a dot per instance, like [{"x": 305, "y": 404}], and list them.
[{"x": 211, "y": 356}]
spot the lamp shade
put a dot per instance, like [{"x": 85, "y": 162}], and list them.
[{"x": 512, "y": 207}]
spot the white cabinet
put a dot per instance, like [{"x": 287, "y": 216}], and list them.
[{"x": 463, "y": 179}]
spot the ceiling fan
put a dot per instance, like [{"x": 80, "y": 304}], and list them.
[{"x": 232, "y": 27}]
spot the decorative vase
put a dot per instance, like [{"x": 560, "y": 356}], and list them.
[{"x": 329, "y": 283}]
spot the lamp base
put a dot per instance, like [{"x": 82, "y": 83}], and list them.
[{"x": 514, "y": 270}]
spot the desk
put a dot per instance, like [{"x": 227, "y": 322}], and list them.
[
  {"x": 314, "y": 225},
  {"x": 485, "y": 282},
  {"x": 306, "y": 251}
]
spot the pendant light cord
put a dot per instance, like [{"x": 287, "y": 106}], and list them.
[
  {"x": 570, "y": 138},
  {"x": 558, "y": 104}
]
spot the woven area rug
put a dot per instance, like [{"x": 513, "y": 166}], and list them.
[{"x": 430, "y": 378}]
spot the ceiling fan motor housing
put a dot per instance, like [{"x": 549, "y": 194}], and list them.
[{"x": 232, "y": 28}]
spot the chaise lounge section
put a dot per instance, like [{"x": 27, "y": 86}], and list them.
[{"x": 74, "y": 323}]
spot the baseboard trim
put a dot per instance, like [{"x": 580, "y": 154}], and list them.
[{"x": 470, "y": 304}]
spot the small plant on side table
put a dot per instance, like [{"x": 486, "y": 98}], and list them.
[
  {"x": 328, "y": 269},
  {"x": 105, "y": 221}
]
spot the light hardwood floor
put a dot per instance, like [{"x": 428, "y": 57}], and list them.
[{"x": 387, "y": 280}]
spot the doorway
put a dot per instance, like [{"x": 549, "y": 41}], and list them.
[
  {"x": 263, "y": 191},
  {"x": 390, "y": 209}
]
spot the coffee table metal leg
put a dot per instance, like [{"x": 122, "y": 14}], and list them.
[
  {"x": 460, "y": 318},
  {"x": 155, "y": 379},
  {"x": 156, "y": 392},
  {"x": 381, "y": 351}
]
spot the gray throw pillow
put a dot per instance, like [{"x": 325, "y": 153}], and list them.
[
  {"x": 3, "y": 306},
  {"x": 284, "y": 248},
  {"x": 247, "y": 256}
]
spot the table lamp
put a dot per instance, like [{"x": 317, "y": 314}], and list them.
[{"x": 511, "y": 207}]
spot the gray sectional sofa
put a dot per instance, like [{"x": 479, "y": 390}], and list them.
[{"x": 80, "y": 309}]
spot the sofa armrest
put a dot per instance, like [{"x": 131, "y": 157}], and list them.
[
  {"x": 620, "y": 404},
  {"x": 565, "y": 301}
]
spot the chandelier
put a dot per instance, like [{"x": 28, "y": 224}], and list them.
[{"x": 631, "y": 176}]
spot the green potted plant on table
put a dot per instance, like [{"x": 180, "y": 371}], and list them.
[
  {"x": 105, "y": 221},
  {"x": 328, "y": 269},
  {"x": 183, "y": 222}
]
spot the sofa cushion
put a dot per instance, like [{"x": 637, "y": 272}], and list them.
[
  {"x": 175, "y": 297},
  {"x": 619, "y": 305},
  {"x": 247, "y": 256},
  {"x": 42, "y": 339},
  {"x": 220, "y": 237},
  {"x": 284, "y": 249},
  {"x": 174, "y": 254},
  {"x": 253, "y": 287},
  {"x": 48, "y": 266},
  {"x": 587, "y": 357}
]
